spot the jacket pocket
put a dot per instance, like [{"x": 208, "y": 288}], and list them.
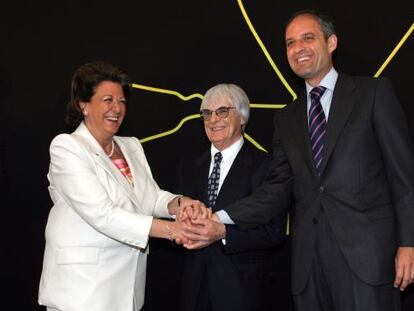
[
  {"x": 380, "y": 212},
  {"x": 78, "y": 255}
]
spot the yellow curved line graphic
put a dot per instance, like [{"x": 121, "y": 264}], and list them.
[
  {"x": 196, "y": 95},
  {"x": 390, "y": 57},
  {"x": 196, "y": 116},
  {"x": 200, "y": 96},
  {"x": 188, "y": 118},
  {"x": 255, "y": 143},
  {"x": 168, "y": 92},
  {"x": 266, "y": 53},
  {"x": 267, "y": 106},
  {"x": 175, "y": 129}
]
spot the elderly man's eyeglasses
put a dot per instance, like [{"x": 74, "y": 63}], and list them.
[{"x": 222, "y": 112}]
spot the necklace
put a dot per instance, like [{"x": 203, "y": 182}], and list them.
[{"x": 112, "y": 149}]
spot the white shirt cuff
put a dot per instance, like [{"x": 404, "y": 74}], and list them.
[{"x": 224, "y": 217}]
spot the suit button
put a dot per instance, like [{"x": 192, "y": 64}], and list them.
[
  {"x": 321, "y": 189},
  {"x": 315, "y": 221}
]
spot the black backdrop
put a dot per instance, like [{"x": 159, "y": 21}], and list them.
[{"x": 185, "y": 46}]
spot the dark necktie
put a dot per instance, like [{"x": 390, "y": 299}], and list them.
[
  {"x": 317, "y": 126},
  {"x": 213, "y": 181}
]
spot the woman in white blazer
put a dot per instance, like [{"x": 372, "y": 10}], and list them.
[{"x": 105, "y": 200}]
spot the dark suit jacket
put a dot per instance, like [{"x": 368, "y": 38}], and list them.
[
  {"x": 234, "y": 276},
  {"x": 366, "y": 188}
]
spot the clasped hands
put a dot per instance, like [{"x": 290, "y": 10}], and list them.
[{"x": 198, "y": 226}]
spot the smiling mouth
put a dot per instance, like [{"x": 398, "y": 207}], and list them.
[
  {"x": 217, "y": 128},
  {"x": 303, "y": 59},
  {"x": 112, "y": 119}
]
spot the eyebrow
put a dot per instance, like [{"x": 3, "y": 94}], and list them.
[
  {"x": 112, "y": 95},
  {"x": 302, "y": 35}
]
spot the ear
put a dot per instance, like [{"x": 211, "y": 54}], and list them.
[
  {"x": 82, "y": 106},
  {"x": 242, "y": 125},
  {"x": 332, "y": 43}
]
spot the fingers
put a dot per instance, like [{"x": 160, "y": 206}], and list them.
[
  {"x": 202, "y": 234},
  {"x": 204, "y": 230},
  {"x": 404, "y": 267},
  {"x": 403, "y": 279},
  {"x": 398, "y": 278},
  {"x": 200, "y": 221},
  {"x": 193, "y": 209},
  {"x": 200, "y": 210},
  {"x": 195, "y": 232},
  {"x": 196, "y": 244},
  {"x": 215, "y": 218},
  {"x": 185, "y": 213}
]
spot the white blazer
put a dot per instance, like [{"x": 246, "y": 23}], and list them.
[{"x": 97, "y": 231}]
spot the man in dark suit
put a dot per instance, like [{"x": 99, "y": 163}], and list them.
[
  {"x": 233, "y": 271},
  {"x": 345, "y": 150}
]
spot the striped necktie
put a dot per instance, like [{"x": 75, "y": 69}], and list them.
[{"x": 317, "y": 126}]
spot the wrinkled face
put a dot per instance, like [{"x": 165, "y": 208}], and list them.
[
  {"x": 222, "y": 133},
  {"x": 105, "y": 111},
  {"x": 308, "y": 52}
]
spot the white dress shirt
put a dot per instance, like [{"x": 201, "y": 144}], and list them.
[
  {"x": 229, "y": 155},
  {"x": 328, "y": 82}
]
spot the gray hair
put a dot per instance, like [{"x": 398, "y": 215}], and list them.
[{"x": 234, "y": 94}]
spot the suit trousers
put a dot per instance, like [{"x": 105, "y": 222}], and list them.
[
  {"x": 332, "y": 285},
  {"x": 224, "y": 294}
]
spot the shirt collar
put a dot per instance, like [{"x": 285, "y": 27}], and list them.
[
  {"x": 229, "y": 152},
  {"x": 328, "y": 81}
]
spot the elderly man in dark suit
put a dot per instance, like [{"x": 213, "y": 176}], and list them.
[
  {"x": 233, "y": 271},
  {"x": 345, "y": 150}
]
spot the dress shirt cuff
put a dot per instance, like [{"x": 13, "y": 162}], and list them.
[{"x": 224, "y": 217}]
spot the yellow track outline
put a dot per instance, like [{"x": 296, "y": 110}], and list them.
[
  {"x": 265, "y": 106},
  {"x": 396, "y": 49},
  {"x": 175, "y": 129},
  {"x": 199, "y": 96},
  {"x": 168, "y": 92},
  {"x": 193, "y": 116},
  {"x": 252, "y": 105},
  {"x": 266, "y": 53}
]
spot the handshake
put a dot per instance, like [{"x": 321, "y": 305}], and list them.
[{"x": 195, "y": 226}]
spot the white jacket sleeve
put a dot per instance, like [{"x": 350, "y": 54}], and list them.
[{"x": 72, "y": 175}]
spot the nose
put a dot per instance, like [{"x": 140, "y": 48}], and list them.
[
  {"x": 214, "y": 117},
  {"x": 117, "y": 105},
  {"x": 299, "y": 46}
]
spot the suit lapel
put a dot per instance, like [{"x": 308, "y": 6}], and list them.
[
  {"x": 300, "y": 132},
  {"x": 236, "y": 173},
  {"x": 201, "y": 175},
  {"x": 136, "y": 164},
  {"x": 341, "y": 108},
  {"x": 105, "y": 162}
]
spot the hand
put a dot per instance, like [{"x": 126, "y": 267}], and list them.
[
  {"x": 193, "y": 209},
  {"x": 201, "y": 232},
  {"x": 404, "y": 267},
  {"x": 176, "y": 232}
]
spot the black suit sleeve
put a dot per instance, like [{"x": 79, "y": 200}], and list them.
[
  {"x": 266, "y": 236},
  {"x": 272, "y": 197},
  {"x": 397, "y": 152}
]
